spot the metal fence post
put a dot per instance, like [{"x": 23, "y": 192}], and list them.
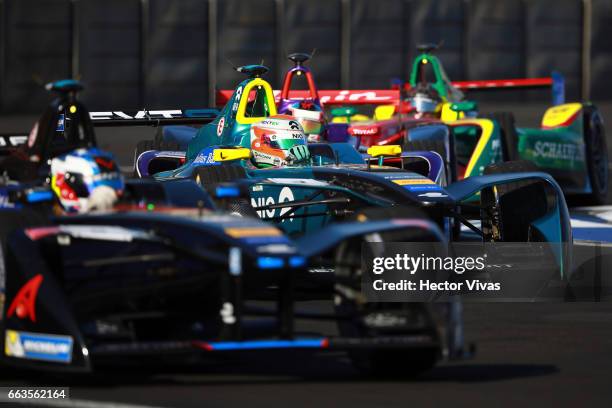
[
  {"x": 212, "y": 51},
  {"x": 75, "y": 28},
  {"x": 587, "y": 16},
  {"x": 345, "y": 52},
  {"x": 145, "y": 15},
  {"x": 3, "y": 31},
  {"x": 281, "y": 45}
]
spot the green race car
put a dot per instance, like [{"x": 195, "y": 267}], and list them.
[{"x": 570, "y": 143}]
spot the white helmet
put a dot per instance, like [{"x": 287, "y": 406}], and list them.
[{"x": 278, "y": 140}]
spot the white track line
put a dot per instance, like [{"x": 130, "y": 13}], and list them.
[{"x": 71, "y": 403}]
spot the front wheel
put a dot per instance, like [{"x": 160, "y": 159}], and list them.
[
  {"x": 596, "y": 152},
  {"x": 411, "y": 318}
]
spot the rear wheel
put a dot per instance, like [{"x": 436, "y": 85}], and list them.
[
  {"x": 596, "y": 151},
  {"x": 350, "y": 302}
]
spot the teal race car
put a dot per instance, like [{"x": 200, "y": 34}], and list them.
[{"x": 337, "y": 182}]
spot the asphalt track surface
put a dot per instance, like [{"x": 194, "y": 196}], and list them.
[{"x": 545, "y": 354}]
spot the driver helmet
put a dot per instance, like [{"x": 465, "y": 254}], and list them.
[
  {"x": 278, "y": 140},
  {"x": 425, "y": 100},
  {"x": 84, "y": 179}
]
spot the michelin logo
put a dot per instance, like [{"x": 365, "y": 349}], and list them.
[{"x": 36, "y": 346}]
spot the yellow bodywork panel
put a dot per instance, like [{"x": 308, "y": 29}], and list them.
[
  {"x": 390, "y": 150},
  {"x": 486, "y": 127},
  {"x": 244, "y": 99},
  {"x": 355, "y": 118},
  {"x": 384, "y": 112},
  {"x": 560, "y": 115},
  {"x": 448, "y": 115},
  {"x": 220, "y": 155}
]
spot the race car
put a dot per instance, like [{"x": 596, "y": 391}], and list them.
[
  {"x": 570, "y": 144},
  {"x": 301, "y": 187},
  {"x": 159, "y": 272}
]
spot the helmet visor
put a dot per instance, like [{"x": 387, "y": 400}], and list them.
[
  {"x": 288, "y": 143},
  {"x": 311, "y": 127}
]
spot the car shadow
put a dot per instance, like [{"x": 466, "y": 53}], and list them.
[{"x": 278, "y": 368}]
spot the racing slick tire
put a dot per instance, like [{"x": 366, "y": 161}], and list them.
[
  {"x": 438, "y": 146},
  {"x": 508, "y": 133},
  {"x": 348, "y": 301},
  {"x": 147, "y": 145},
  {"x": 208, "y": 177},
  {"x": 596, "y": 152},
  {"x": 520, "y": 212}
]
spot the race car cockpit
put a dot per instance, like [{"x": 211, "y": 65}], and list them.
[
  {"x": 427, "y": 70},
  {"x": 252, "y": 101},
  {"x": 307, "y": 110}
]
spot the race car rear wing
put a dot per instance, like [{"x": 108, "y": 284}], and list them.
[
  {"x": 331, "y": 96},
  {"x": 9, "y": 141},
  {"x": 391, "y": 96},
  {"x": 153, "y": 117}
]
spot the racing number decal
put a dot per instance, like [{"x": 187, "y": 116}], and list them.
[
  {"x": 285, "y": 195},
  {"x": 220, "y": 126}
]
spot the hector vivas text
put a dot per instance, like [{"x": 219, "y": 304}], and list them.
[{"x": 405, "y": 271}]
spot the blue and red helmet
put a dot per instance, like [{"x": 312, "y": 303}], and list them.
[{"x": 76, "y": 175}]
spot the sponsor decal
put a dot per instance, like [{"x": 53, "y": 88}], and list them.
[
  {"x": 434, "y": 194},
  {"x": 220, "y": 126},
  {"x": 276, "y": 249},
  {"x": 24, "y": 303},
  {"x": 246, "y": 232},
  {"x": 286, "y": 194},
  {"x": 60, "y": 123},
  {"x": 205, "y": 157},
  {"x": 143, "y": 114},
  {"x": 38, "y": 346},
  {"x": 170, "y": 154},
  {"x": 269, "y": 122},
  {"x": 237, "y": 99},
  {"x": 4, "y": 199},
  {"x": 552, "y": 150},
  {"x": 356, "y": 96},
  {"x": 359, "y": 131},
  {"x": 300, "y": 181},
  {"x": 406, "y": 182},
  {"x": 423, "y": 187}
]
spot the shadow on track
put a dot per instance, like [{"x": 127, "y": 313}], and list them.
[{"x": 276, "y": 368}]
